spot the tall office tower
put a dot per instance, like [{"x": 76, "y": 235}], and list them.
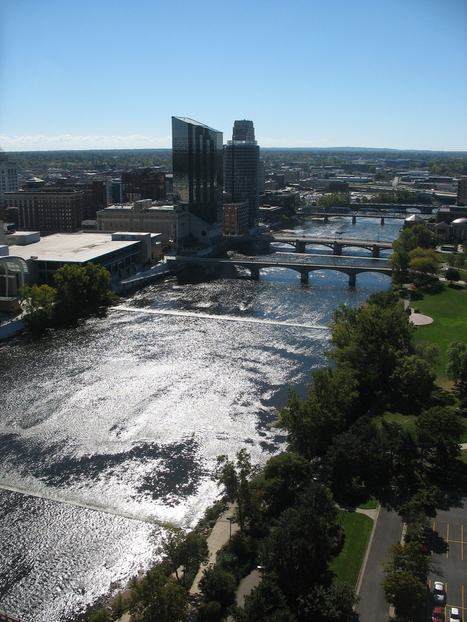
[
  {"x": 242, "y": 169},
  {"x": 197, "y": 168},
  {"x": 8, "y": 176},
  {"x": 244, "y": 130}
]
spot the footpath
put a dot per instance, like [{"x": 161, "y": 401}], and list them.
[{"x": 220, "y": 534}]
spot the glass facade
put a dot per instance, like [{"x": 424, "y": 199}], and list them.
[{"x": 198, "y": 168}]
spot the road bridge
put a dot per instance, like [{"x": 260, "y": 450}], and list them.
[
  {"x": 209, "y": 264},
  {"x": 336, "y": 245}
]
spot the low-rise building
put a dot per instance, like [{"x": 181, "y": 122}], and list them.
[
  {"x": 118, "y": 252},
  {"x": 235, "y": 218},
  {"x": 171, "y": 221}
]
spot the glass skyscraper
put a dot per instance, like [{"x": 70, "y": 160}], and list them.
[
  {"x": 242, "y": 169},
  {"x": 197, "y": 153}
]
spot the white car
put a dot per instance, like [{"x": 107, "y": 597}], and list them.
[
  {"x": 439, "y": 595},
  {"x": 455, "y": 615}
]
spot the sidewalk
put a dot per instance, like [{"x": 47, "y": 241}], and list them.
[{"x": 219, "y": 536}]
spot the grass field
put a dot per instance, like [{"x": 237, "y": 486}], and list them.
[
  {"x": 357, "y": 528},
  {"x": 448, "y": 308}
]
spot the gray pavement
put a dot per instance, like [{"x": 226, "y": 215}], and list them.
[{"x": 387, "y": 531}]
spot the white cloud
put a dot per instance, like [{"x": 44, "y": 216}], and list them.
[{"x": 40, "y": 142}]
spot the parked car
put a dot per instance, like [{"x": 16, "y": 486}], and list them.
[
  {"x": 439, "y": 595},
  {"x": 437, "y": 615},
  {"x": 455, "y": 615}
]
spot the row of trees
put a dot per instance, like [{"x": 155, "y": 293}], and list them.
[{"x": 79, "y": 291}]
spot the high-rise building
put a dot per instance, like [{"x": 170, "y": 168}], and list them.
[
  {"x": 244, "y": 130},
  {"x": 462, "y": 191},
  {"x": 242, "y": 169},
  {"x": 8, "y": 176},
  {"x": 197, "y": 168}
]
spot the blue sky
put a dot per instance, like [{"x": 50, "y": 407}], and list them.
[{"x": 104, "y": 74}]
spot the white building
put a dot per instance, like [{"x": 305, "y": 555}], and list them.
[{"x": 8, "y": 176}]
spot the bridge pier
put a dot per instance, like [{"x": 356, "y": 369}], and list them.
[
  {"x": 337, "y": 248},
  {"x": 382, "y": 220},
  {"x": 254, "y": 273},
  {"x": 299, "y": 246},
  {"x": 304, "y": 277},
  {"x": 354, "y": 220},
  {"x": 352, "y": 279},
  {"x": 375, "y": 250}
]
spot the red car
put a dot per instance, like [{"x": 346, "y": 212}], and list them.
[{"x": 437, "y": 615}]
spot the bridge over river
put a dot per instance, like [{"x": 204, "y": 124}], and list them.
[
  {"x": 304, "y": 267},
  {"x": 333, "y": 243}
]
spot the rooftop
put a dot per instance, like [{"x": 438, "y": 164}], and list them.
[{"x": 70, "y": 247}]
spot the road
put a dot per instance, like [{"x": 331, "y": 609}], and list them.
[{"x": 388, "y": 531}]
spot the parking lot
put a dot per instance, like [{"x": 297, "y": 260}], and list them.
[{"x": 449, "y": 552}]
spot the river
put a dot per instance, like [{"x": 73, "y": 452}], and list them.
[{"x": 110, "y": 428}]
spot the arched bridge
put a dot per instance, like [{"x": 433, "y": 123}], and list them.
[
  {"x": 255, "y": 265},
  {"x": 336, "y": 245}
]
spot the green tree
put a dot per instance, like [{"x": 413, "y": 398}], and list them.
[
  {"x": 328, "y": 604},
  {"x": 404, "y": 592},
  {"x": 334, "y": 200},
  {"x": 81, "y": 290},
  {"x": 452, "y": 274},
  {"x": 424, "y": 265},
  {"x": 235, "y": 477},
  {"x": 328, "y": 409},
  {"x": 158, "y": 597},
  {"x": 281, "y": 480},
  {"x": 185, "y": 551},
  {"x": 399, "y": 261},
  {"x": 219, "y": 585},
  {"x": 417, "y": 511},
  {"x": 404, "y": 583},
  {"x": 371, "y": 339},
  {"x": 418, "y": 236},
  {"x": 265, "y": 603},
  {"x": 413, "y": 381},
  {"x": 102, "y": 615},
  {"x": 302, "y": 543},
  {"x": 439, "y": 431},
  {"x": 38, "y": 303},
  {"x": 456, "y": 369}
]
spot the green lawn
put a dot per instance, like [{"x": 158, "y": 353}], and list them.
[
  {"x": 449, "y": 311},
  {"x": 357, "y": 528},
  {"x": 406, "y": 421}
]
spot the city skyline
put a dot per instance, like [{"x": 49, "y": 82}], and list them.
[{"x": 110, "y": 74}]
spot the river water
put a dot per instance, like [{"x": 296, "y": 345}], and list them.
[{"x": 110, "y": 428}]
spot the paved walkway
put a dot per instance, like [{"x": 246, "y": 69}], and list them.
[{"x": 219, "y": 536}]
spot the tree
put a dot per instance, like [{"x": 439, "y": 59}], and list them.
[
  {"x": 439, "y": 431},
  {"x": 404, "y": 583},
  {"x": 399, "y": 262},
  {"x": 217, "y": 584},
  {"x": 302, "y": 543},
  {"x": 371, "y": 339},
  {"x": 418, "y": 236},
  {"x": 451, "y": 275},
  {"x": 38, "y": 303},
  {"x": 81, "y": 290},
  {"x": 329, "y": 407},
  {"x": 424, "y": 265},
  {"x": 416, "y": 511},
  {"x": 328, "y": 604},
  {"x": 404, "y": 592},
  {"x": 456, "y": 369},
  {"x": 185, "y": 551},
  {"x": 281, "y": 480},
  {"x": 413, "y": 380},
  {"x": 235, "y": 477},
  {"x": 265, "y": 603},
  {"x": 158, "y": 597}
]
